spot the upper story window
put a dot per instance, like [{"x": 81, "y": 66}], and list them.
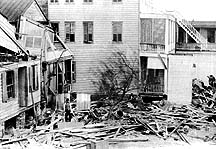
[
  {"x": 153, "y": 31},
  {"x": 70, "y": 31},
  {"x": 88, "y": 1},
  {"x": 10, "y": 83},
  {"x": 117, "y": 0},
  {"x": 88, "y": 32},
  {"x": 117, "y": 31},
  {"x": 55, "y": 26},
  {"x": 54, "y": 1},
  {"x": 69, "y": 1}
]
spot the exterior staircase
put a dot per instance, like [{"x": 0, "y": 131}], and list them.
[{"x": 189, "y": 29}]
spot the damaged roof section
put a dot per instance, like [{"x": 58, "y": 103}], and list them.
[
  {"x": 12, "y": 9},
  {"x": 7, "y": 38}
]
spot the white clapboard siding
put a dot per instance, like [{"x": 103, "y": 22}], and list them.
[{"x": 102, "y": 13}]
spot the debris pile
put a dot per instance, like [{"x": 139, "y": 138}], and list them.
[
  {"x": 129, "y": 117},
  {"x": 204, "y": 96},
  {"x": 112, "y": 121}
]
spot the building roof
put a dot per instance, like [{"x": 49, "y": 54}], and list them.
[
  {"x": 12, "y": 9},
  {"x": 204, "y": 24}
]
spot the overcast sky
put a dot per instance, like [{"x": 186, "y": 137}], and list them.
[{"x": 199, "y": 10}]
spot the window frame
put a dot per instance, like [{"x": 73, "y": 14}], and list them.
[
  {"x": 87, "y": 39},
  {"x": 71, "y": 33},
  {"x": 33, "y": 42},
  {"x": 11, "y": 85},
  {"x": 118, "y": 34}
]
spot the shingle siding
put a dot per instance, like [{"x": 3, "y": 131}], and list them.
[{"x": 102, "y": 13}]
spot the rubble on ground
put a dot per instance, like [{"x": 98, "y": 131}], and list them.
[{"x": 129, "y": 120}]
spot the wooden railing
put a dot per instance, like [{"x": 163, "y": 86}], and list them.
[
  {"x": 195, "y": 46},
  {"x": 151, "y": 47},
  {"x": 159, "y": 88}
]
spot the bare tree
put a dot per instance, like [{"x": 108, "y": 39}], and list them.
[{"x": 117, "y": 76}]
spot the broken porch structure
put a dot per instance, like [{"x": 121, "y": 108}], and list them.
[{"x": 28, "y": 74}]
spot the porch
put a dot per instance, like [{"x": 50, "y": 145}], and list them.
[{"x": 152, "y": 75}]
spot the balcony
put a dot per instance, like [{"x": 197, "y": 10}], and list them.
[{"x": 152, "y": 47}]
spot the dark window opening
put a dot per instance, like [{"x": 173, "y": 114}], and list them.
[
  {"x": 211, "y": 36},
  {"x": 54, "y": 1},
  {"x": 55, "y": 27},
  {"x": 88, "y": 1}
]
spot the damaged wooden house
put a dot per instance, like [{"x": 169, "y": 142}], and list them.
[
  {"x": 20, "y": 89},
  {"x": 35, "y": 71}
]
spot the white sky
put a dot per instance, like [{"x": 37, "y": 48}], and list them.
[{"x": 199, "y": 10}]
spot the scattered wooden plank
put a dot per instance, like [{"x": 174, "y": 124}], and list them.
[
  {"x": 184, "y": 121},
  {"x": 13, "y": 141},
  {"x": 127, "y": 140}
]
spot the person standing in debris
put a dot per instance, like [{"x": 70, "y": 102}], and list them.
[{"x": 67, "y": 109}]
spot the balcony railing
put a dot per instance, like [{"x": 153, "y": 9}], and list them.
[
  {"x": 151, "y": 47},
  {"x": 156, "y": 88},
  {"x": 195, "y": 46}
]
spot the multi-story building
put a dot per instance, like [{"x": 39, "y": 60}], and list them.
[{"x": 94, "y": 28}]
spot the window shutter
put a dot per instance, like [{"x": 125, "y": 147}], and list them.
[
  {"x": 36, "y": 77},
  {"x": 30, "y": 79},
  {"x": 72, "y": 27},
  {"x": 4, "y": 87},
  {"x": 16, "y": 83}
]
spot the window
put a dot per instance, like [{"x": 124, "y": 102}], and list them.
[
  {"x": 70, "y": 31},
  {"x": 88, "y": 1},
  {"x": 88, "y": 32},
  {"x": 10, "y": 84},
  {"x": 33, "y": 42},
  {"x": 69, "y": 1},
  {"x": 73, "y": 71},
  {"x": 211, "y": 36},
  {"x": 68, "y": 71},
  {"x": 117, "y": 0},
  {"x": 53, "y": 1},
  {"x": 117, "y": 31},
  {"x": 55, "y": 26}
]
